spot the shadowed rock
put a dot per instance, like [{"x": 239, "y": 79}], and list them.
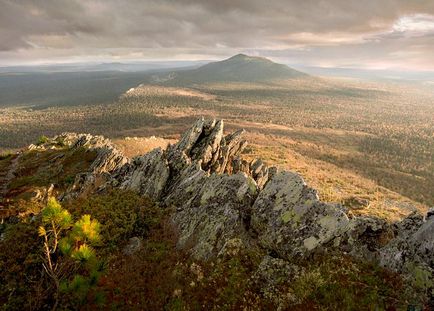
[
  {"x": 220, "y": 197},
  {"x": 147, "y": 174}
]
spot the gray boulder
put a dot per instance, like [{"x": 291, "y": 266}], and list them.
[
  {"x": 147, "y": 174},
  {"x": 212, "y": 213},
  {"x": 290, "y": 220}
]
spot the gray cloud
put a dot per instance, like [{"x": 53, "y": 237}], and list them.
[{"x": 334, "y": 32}]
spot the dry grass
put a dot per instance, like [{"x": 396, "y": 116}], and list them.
[
  {"x": 348, "y": 138},
  {"x": 134, "y": 146},
  {"x": 334, "y": 184}
]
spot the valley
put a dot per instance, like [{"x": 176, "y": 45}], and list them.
[{"x": 374, "y": 138}]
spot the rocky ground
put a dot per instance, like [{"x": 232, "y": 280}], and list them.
[{"x": 224, "y": 204}]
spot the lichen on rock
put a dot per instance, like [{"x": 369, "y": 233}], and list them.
[
  {"x": 290, "y": 219},
  {"x": 220, "y": 198}
]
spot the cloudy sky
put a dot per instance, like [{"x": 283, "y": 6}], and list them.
[{"x": 379, "y": 34}]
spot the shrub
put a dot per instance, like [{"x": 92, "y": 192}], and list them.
[
  {"x": 122, "y": 214},
  {"x": 60, "y": 142},
  {"x": 22, "y": 285},
  {"x": 42, "y": 140},
  {"x": 4, "y": 156},
  {"x": 69, "y": 180},
  {"x": 332, "y": 283}
]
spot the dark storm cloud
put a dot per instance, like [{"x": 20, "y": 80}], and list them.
[{"x": 317, "y": 31}]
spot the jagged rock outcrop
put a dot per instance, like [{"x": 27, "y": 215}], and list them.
[
  {"x": 147, "y": 174},
  {"x": 192, "y": 175},
  {"x": 108, "y": 158},
  {"x": 205, "y": 144},
  {"x": 411, "y": 251},
  {"x": 423, "y": 241},
  {"x": 212, "y": 212},
  {"x": 220, "y": 197},
  {"x": 290, "y": 220}
]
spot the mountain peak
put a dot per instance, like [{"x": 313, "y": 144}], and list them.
[
  {"x": 239, "y": 56},
  {"x": 238, "y": 68},
  {"x": 245, "y": 57}
]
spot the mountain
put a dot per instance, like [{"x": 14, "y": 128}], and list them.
[{"x": 238, "y": 68}]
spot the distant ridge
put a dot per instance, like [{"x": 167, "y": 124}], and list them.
[{"x": 238, "y": 68}]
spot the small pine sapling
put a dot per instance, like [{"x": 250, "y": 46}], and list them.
[
  {"x": 74, "y": 240},
  {"x": 55, "y": 220}
]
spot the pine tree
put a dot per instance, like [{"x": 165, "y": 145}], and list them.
[{"x": 73, "y": 240}]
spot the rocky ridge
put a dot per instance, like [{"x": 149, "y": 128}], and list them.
[{"x": 223, "y": 201}]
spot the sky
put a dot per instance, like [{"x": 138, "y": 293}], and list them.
[{"x": 367, "y": 34}]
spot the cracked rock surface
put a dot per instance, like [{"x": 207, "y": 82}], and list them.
[{"x": 220, "y": 197}]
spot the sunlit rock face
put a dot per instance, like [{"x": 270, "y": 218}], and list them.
[
  {"x": 290, "y": 219},
  {"x": 219, "y": 198}
]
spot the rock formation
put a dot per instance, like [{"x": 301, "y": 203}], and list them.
[
  {"x": 220, "y": 198},
  {"x": 108, "y": 158}
]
